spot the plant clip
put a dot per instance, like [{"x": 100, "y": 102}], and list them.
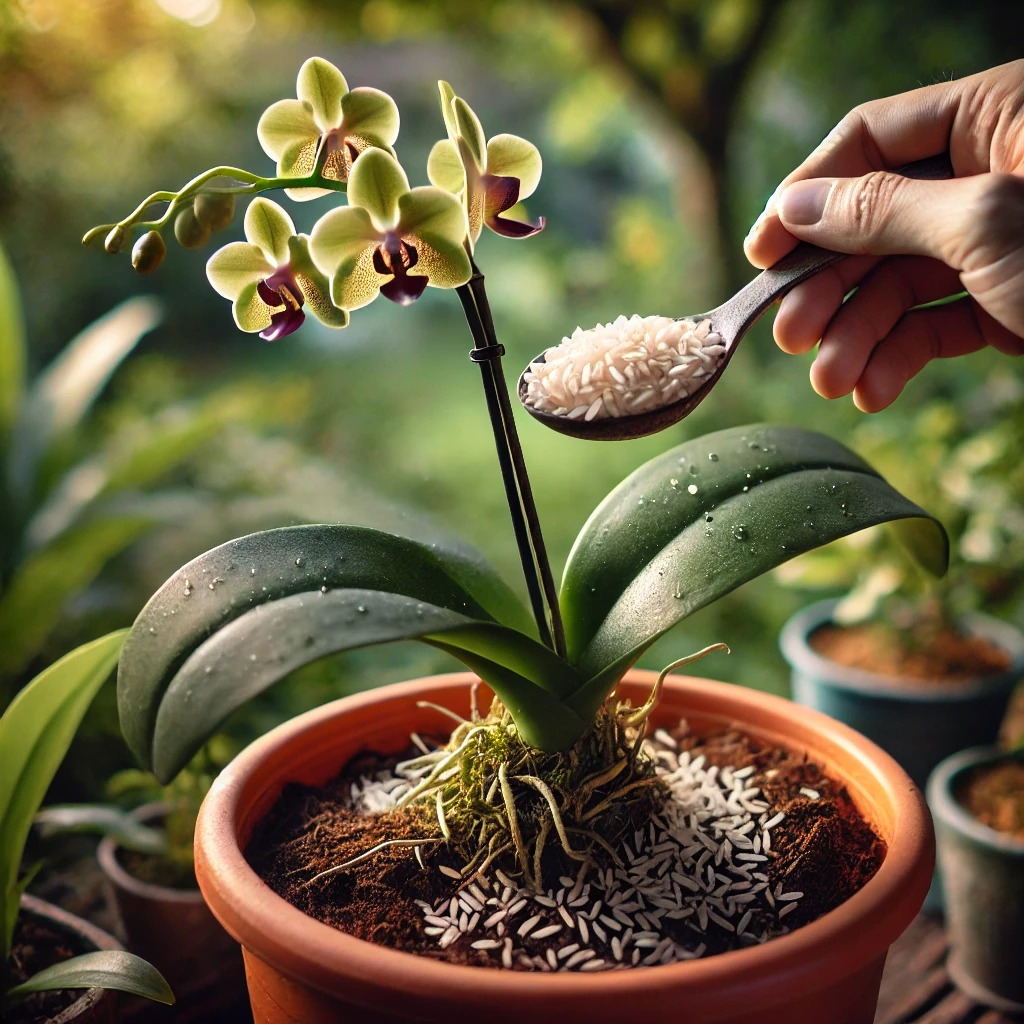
[{"x": 486, "y": 353}]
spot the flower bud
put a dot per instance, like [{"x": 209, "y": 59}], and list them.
[
  {"x": 149, "y": 252},
  {"x": 114, "y": 242},
  {"x": 214, "y": 210},
  {"x": 189, "y": 231}
]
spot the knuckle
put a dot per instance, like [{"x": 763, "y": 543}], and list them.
[{"x": 870, "y": 202}]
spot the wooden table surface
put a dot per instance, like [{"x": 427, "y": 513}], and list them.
[{"x": 917, "y": 989}]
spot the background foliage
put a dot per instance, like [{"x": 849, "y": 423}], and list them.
[{"x": 664, "y": 125}]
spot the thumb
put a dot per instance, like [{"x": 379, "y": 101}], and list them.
[
  {"x": 882, "y": 213},
  {"x": 974, "y": 225}
]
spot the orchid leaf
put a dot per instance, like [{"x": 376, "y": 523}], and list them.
[
  {"x": 226, "y": 583},
  {"x": 693, "y": 524},
  {"x": 35, "y": 732},
  {"x": 256, "y": 650},
  {"x": 103, "y": 820},
  {"x": 106, "y": 968}
]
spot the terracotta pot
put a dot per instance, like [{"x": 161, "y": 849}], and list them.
[
  {"x": 983, "y": 884},
  {"x": 94, "y": 1005},
  {"x": 301, "y": 970},
  {"x": 918, "y": 722},
  {"x": 174, "y": 930}
]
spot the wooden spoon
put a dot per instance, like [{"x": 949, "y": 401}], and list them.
[{"x": 730, "y": 321}]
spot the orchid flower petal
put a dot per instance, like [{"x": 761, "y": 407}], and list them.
[
  {"x": 444, "y": 263},
  {"x": 356, "y": 282},
  {"x": 370, "y": 113},
  {"x": 283, "y": 322},
  {"x": 471, "y": 132},
  {"x": 515, "y": 228},
  {"x": 323, "y": 87},
  {"x": 341, "y": 235},
  {"x": 376, "y": 183},
  {"x": 514, "y": 157},
  {"x": 431, "y": 210},
  {"x": 235, "y": 267},
  {"x": 285, "y": 124},
  {"x": 500, "y": 194},
  {"x": 315, "y": 287},
  {"x": 404, "y": 289},
  {"x": 251, "y": 313},
  {"x": 448, "y": 108},
  {"x": 444, "y": 168},
  {"x": 269, "y": 226}
]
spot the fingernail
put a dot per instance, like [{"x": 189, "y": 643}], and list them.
[{"x": 803, "y": 202}]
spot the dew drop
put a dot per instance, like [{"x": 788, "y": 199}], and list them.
[
  {"x": 324, "y": 589},
  {"x": 678, "y": 592},
  {"x": 712, "y": 457},
  {"x": 808, "y": 524},
  {"x": 708, "y": 517},
  {"x": 694, "y": 471},
  {"x": 298, "y": 561},
  {"x": 692, "y": 488},
  {"x": 740, "y": 532},
  {"x": 673, "y": 482},
  {"x": 361, "y": 609},
  {"x": 709, "y": 531},
  {"x": 152, "y": 630},
  {"x": 252, "y": 571}
]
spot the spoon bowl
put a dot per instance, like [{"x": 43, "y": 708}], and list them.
[{"x": 730, "y": 321}]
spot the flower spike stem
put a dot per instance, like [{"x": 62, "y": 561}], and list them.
[{"x": 525, "y": 521}]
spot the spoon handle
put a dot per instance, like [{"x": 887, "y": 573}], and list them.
[{"x": 803, "y": 262}]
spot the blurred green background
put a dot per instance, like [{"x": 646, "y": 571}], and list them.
[{"x": 664, "y": 126}]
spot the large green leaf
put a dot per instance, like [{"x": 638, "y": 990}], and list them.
[
  {"x": 35, "y": 733},
  {"x": 12, "y": 350},
  {"x": 105, "y": 968},
  {"x": 252, "y": 652},
  {"x": 696, "y": 522},
  {"x": 264, "y": 568}
]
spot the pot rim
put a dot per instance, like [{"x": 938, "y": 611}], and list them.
[
  {"x": 951, "y": 814},
  {"x": 117, "y": 874},
  {"x": 793, "y": 643},
  {"x": 805, "y": 959}
]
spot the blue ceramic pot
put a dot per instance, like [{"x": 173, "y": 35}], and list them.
[
  {"x": 918, "y": 722},
  {"x": 983, "y": 886}
]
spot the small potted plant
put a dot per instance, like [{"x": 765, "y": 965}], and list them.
[
  {"x": 923, "y": 666},
  {"x": 555, "y": 773},
  {"x": 40, "y": 971},
  {"x": 977, "y": 799},
  {"x": 147, "y": 862}
]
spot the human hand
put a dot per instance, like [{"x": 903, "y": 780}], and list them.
[{"x": 914, "y": 241}]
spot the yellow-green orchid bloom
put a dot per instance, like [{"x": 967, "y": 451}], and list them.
[
  {"x": 390, "y": 238},
  {"x": 271, "y": 277},
  {"x": 328, "y": 126},
  {"x": 491, "y": 177}
]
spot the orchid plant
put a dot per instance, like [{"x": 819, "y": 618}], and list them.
[{"x": 680, "y": 532}]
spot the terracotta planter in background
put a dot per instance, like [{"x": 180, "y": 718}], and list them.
[
  {"x": 174, "y": 930},
  {"x": 94, "y": 1005},
  {"x": 918, "y": 722},
  {"x": 983, "y": 884},
  {"x": 301, "y": 970}
]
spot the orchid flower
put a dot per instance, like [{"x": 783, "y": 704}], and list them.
[
  {"x": 390, "y": 238},
  {"x": 327, "y": 127},
  {"x": 271, "y": 277},
  {"x": 491, "y": 177}
]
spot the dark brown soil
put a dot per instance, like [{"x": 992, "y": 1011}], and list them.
[
  {"x": 822, "y": 848},
  {"x": 36, "y": 945},
  {"x": 994, "y": 794},
  {"x": 945, "y": 657}
]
